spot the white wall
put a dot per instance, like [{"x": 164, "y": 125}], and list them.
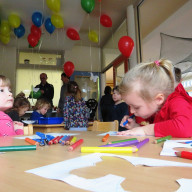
[
  {"x": 8, "y": 63},
  {"x": 84, "y": 58},
  {"x": 179, "y": 24}
]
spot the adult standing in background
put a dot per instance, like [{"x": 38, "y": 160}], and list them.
[
  {"x": 47, "y": 91},
  {"x": 65, "y": 79},
  {"x": 106, "y": 104}
]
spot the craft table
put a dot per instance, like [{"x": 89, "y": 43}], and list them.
[{"x": 137, "y": 178}]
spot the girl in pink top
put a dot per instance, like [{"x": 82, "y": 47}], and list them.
[
  {"x": 149, "y": 90},
  {"x": 6, "y": 102}
]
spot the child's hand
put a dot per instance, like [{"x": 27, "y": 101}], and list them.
[
  {"x": 18, "y": 125},
  {"x": 131, "y": 122},
  {"x": 145, "y": 130},
  {"x": 134, "y": 131}
]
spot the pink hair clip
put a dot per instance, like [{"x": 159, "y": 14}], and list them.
[{"x": 157, "y": 62}]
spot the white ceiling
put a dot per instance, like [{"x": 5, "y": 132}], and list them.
[{"x": 73, "y": 16}]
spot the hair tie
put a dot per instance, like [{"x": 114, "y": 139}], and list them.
[{"x": 157, "y": 62}]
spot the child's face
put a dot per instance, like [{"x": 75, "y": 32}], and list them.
[
  {"x": 140, "y": 107},
  {"x": 44, "y": 109},
  {"x": 22, "y": 111},
  {"x": 116, "y": 96},
  {"x": 6, "y": 98}
]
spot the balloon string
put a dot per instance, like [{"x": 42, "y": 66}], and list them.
[{"x": 112, "y": 38}]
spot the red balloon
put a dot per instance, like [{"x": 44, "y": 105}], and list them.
[
  {"x": 68, "y": 68},
  {"x": 105, "y": 20},
  {"x": 36, "y": 31},
  {"x": 32, "y": 39},
  {"x": 73, "y": 34},
  {"x": 126, "y": 45}
]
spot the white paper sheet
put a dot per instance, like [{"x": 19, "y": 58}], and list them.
[
  {"x": 169, "y": 145},
  {"x": 61, "y": 171},
  {"x": 186, "y": 185}
]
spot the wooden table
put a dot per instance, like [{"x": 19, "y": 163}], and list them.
[{"x": 137, "y": 178}]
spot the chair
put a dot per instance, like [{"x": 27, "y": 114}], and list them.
[{"x": 105, "y": 126}]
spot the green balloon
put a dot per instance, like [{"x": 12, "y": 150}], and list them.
[
  {"x": 35, "y": 95},
  {"x": 88, "y": 5}
]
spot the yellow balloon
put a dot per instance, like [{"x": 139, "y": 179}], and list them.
[
  {"x": 5, "y": 28},
  {"x": 57, "y": 21},
  {"x": 93, "y": 36},
  {"x": 54, "y": 5},
  {"x": 4, "y": 39},
  {"x": 14, "y": 20}
]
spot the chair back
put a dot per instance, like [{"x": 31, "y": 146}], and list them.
[{"x": 105, "y": 126}]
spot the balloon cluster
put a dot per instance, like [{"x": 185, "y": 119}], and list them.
[
  {"x": 35, "y": 35},
  {"x": 5, "y": 28}
]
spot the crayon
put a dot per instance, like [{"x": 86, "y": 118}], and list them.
[
  {"x": 162, "y": 139},
  {"x": 187, "y": 142},
  {"x": 141, "y": 143},
  {"x": 49, "y": 137},
  {"x": 73, "y": 140},
  {"x": 63, "y": 138},
  {"x": 51, "y": 142},
  {"x": 32, "y": 142},
  {"x": 184, "y": 154},
  {"x": 122, "y": 144},
  {"x": 76, "y": 144},
  {"x": 119, "y": 141},
  {"x": 69, "y": 140},
  {"x": 18, "y": 148},
  {"x": 105, "y": 137},
  {"x": 108, "y": 149},
  {"x": 131, "y": 117},
  {"x": 57, "y": 139}
]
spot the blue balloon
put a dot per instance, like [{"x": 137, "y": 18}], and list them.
[
  {"x": 49, "y": 26},
  {"x": 20, "y": 31},
  {"x": 37, "y": 19}
]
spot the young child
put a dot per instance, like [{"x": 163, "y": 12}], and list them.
[
  {"x": 20, "y": 106},
  {"x": 119, "y": 109},
  {"x": 40, "y": 109},
  {"x": 149, "y": 90},
  {"x": 7, "y": 127},
  {"x": 75, "y": 110}
]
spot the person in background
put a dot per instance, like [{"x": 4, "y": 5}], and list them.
[
  {"x": 149, "y": 90},
  {"x": 20, "y": 106},
  {"x": 40, "y": 109},
  {"x": 47, "y": 91},
  {"x": 178, "y": 78},
  {"x": 65, "y": 79},
  {"x": 119, "y": 109},
  {"x": 7, "y": 127},
  {"x": 75, "y": 111},
  {"x": 106, "y": 103}
]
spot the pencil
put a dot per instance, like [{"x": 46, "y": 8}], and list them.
[
  {"x": 162, "y": 139},
  {"x": 73, "y": 140},
  {"x": 108, "y": 149},
  {"x": 184, "y": 154},
  {"x": 121, "y": 144},
  {"x": 105, "y": 137},
  {"x": 119, "y": 141},
  {"x": 76, "y": 144},
  {"x": 141, "y": 143},
  {"x": 28, "y": 140},
  {"x": 69, "y": 140},
  {"x": 131, "y": 117}
]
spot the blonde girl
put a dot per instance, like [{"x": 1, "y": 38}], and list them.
[{"x": 149, "y": 90}]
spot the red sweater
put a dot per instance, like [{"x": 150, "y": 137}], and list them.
[{"x": 175, "y": 117}]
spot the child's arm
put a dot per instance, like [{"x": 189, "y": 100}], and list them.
[
  {"x": 18, "y": 127},
  {"x": 144, "y": 130}
]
